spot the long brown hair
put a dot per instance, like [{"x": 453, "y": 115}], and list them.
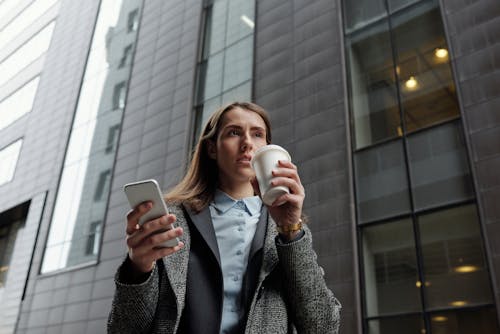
[{"x": 198, "y": 186}]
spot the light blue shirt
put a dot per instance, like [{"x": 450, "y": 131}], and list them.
[{"x": 235, "y": 223}]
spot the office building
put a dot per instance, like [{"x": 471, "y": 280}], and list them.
[{"x": 389, "y": 108}]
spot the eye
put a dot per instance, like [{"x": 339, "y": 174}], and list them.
[
  {"x": 234, "y": 132},
  {"x": 259, "y": 134}
]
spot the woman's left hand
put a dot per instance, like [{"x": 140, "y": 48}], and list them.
[{"x": 291, "y": 210}]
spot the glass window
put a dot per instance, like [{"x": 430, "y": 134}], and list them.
[
  {"x": 390, "y": 269},
  {"x": 238, "y": 63},
  {"x": 381, "y": 186},
  {"x": 8, "y": 161},
  {"x": 92, "y": 246},
  {"x": 474, "y": 321},
  {"x": 119, "y": 95},
  {"x": 24, "y": 19},
  {"x": 8, "y": 235},
  {"x": 395, "y": 5},
  {"x": 81, "y": 200},
  {"x": 26, "y": 54},
  {"x": 102, "y": 183},
  {"x": 455, "y": 268},
  {"x": 18, "y": 103},
  {"x": 213, "y": 79},
  {"x": 362, "y": 12},
  {"x": 439, "y": 168},
  {"x": 226, "y": 64},
  {"x": 112, "y": 138},
  {"x": 409, "y": 324},
  {"x": 427, "y": 89},
  {"x": 133, "y": 20},
  {"x": 127, "y": 54},
  {"x": 240, "y": 21},
  {"x": 373, "y": 96}
]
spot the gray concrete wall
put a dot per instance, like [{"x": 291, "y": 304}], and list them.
[
  {"x": 473, "y": 29},
  {"x": 299, "y": 79}
]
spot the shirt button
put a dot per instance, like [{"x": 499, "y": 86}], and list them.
[
  {"x": 236, "y": 278},
  {"x": 240, "y": 228},
  {"x": 239, "y": 252}
]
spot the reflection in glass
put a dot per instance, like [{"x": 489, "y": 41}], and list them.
[
  {"x": 360, "y": 13},
  {"x": 373, "y": 98},
  {"x": 408, "y": 324},
  {"x": 381, "y": 186},
  {"x": 75, "y": 232},
  {"x": 26, "y": 54},
  {"x": 227, "y": 56},
  {"x": 395, "y": 5},
  {"x": 119, "y": 95},
  {"x": 238, "y": 63},
  {"x": 439, "y": 168},
  {"x": 455, "y": 267},
  {"x": 133, "y": 20},
  {"x": 481, "y": 320},
  {"x": 18, "y": 103},
  {"x": 390, "y": 269},
  {"x": 427, "y": 89},
  {"x": 8, "y": 161},
  {"x": 8, "y": 236}
]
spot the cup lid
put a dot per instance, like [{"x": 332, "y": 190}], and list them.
[{"x": 272, "y": 147}]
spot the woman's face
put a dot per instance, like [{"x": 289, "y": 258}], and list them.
[{"x": 241, "y": 133}]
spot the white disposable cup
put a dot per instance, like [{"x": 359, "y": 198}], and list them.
[{"x": 263, "y": 162}]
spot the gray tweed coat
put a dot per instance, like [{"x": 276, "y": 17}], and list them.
[{"x": 290, "y": 296}]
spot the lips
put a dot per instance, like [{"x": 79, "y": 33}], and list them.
[{"x": 245, "y": 158}]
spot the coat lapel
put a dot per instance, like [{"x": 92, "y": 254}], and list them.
[{"x": 203, "y": 223}]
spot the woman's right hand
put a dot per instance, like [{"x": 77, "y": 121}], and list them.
[{"x": 143, "y": 242}]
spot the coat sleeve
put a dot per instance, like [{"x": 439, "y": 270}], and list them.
[
  {"x": 313, "y": 306},
  {"x": 134, "y": 305}
]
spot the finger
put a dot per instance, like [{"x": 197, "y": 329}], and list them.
[
  {"x": 294, "y": 200},
  {"x": 286, "y": 163},
  {"x": 286, "y": 172},
  {"x": 159, "y": 253},
  {"x": 295, "y": 187},
  {"x": 157, "y": 240},
  {"x": 154, "y": 242},
  {"x": 148, "y": 228},
  {"x": 134, "y": 215}
]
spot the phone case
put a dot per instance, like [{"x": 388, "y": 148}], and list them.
[{"x": 148, "y": 190}]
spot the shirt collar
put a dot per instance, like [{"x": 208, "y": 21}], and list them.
[{"x": 223, "y": 202}]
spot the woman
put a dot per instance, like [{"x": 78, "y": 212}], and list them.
[{"x": 241, "y": 267}]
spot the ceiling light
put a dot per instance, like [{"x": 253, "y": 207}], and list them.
[
  {"x": 458, "y": 303},
  {"x": 441, "y": 53},
  {"x": 411, "y": 83},
  {"x": 466, "y": 269},
  {"x": 439, "y": 318},
  {"x": 248, "y": 22}
]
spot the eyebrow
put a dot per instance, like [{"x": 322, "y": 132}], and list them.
[{"x": 234, "y": 126}]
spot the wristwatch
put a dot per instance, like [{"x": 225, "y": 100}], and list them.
[{"x": 289, "y": 229}]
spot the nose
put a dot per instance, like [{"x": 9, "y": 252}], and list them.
[{"x": 246, "y": 143}]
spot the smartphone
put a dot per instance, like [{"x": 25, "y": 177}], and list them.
[{"x": 149, "y": 190}]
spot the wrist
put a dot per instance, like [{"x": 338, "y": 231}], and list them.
[{"x": 289, "y": 231}]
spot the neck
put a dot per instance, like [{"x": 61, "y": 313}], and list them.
[{"x": 237, "y": 191}]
